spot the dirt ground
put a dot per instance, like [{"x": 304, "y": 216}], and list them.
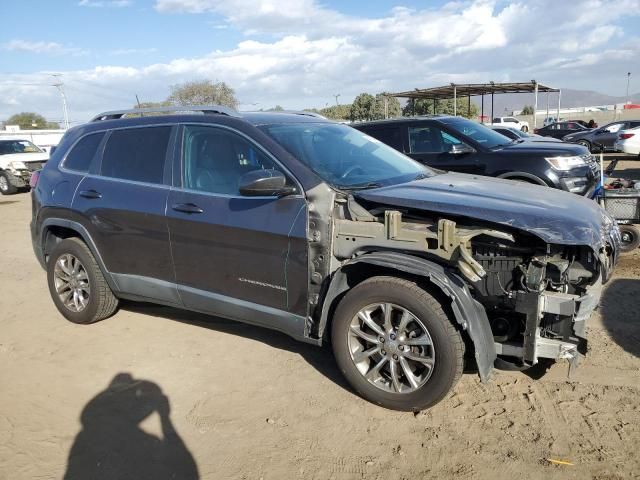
[{"x": 159, "y": 393}]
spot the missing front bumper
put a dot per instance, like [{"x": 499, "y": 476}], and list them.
[{"x": 535, "y": 305}]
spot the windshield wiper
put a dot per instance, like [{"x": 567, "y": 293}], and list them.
[
  {"x": 421, "y": 176},
  {"x": 362, "y": 186}
]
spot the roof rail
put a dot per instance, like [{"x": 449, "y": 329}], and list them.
[
  {"x": 301, "y": 112},
  {"x": 206, "y": 109}
]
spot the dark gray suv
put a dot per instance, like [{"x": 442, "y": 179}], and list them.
[{"x": 295, "y": 223}]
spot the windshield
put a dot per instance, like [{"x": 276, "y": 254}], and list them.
[
  {"x": 345, "y": 157},
  {"x": 479, "y": 133},
  {"x": 8, "y": 147}
]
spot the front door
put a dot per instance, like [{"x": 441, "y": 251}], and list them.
[
  {"x": 432, "y": 146},
  {"x": 607, "y": 136},
  {"x": 235, "y": 256}
]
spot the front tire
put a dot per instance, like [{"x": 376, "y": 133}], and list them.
[
  {"x": 6, "y": 187},
  {"x": 76, "y": 283},
  {"x": 395, "y": 345},
  {"x": 586, "y": 144},
  {"x": 525, "y": 129}
]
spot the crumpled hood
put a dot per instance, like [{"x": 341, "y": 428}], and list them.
[
  {"x": 555, "y": 216},
  {"x": 24, "y": 157}
]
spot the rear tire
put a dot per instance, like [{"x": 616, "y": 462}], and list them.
[
  {"x": 418, "y": 353},
  {"x": 76, "y": 283},
  {"x": 630, "y": 238},
  {"x": 6, "y": 187}
]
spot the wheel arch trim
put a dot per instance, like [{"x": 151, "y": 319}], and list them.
[
  {"x": 85, "y": 236},
  {"x": 469, "y": 313},
  {"x": 529, "y": 176}
]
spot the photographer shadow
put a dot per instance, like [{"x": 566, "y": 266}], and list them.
[
  {"x": 112, "y": 445},
  {"x": 619, "y": 310}
]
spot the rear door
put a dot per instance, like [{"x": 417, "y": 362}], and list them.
[
  {"x": 430, "y": 144},
  {"x": 122, "y": 205},
  {"x": 235, "y": 256}
]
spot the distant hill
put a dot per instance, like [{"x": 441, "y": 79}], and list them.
[{"x": 570, "y": 98}]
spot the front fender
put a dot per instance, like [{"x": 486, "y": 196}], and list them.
[{"x": 469, "y": 313}]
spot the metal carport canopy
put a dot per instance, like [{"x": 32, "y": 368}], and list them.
[{"x": 469, "y": 90}]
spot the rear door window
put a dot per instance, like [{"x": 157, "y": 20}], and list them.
[
  {"x": 80, "y": 157},
  {"x": 136, "y": 154}
]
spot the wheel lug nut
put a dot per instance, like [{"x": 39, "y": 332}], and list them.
[
  {"x": 401, "y": 347},
  {"x": 395, "y": 357},
  {"x": 383, "y": 352},
  {"x": 381, "y": 339},
  {"x": 392, "y": 336}
]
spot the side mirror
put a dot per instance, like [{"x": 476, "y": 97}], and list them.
[
  {"x": 264, "y": 183},
  {"x": 460, "y": 149}
]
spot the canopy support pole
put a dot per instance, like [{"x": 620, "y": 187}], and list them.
[
  {"x": 535, "y": 108},
  {"x": 455, "y": 101}
]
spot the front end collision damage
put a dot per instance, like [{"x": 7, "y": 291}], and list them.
[{"x": 551, "y": 318}]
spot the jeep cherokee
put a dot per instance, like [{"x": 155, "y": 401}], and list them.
[{"x": 306, "y": 226}]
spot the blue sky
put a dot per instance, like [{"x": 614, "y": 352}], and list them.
[{"x": 299, "y": 53}]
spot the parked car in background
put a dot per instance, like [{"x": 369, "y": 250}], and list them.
[
  {"x": 560, "y": 129},
  {"x": 603, "y": 137},
  {"x": 460, "y": 145},
  {"x": 511, "y": 122},
  {"x": 628, "y": 141},
  {"x": 18, "y": 160},
  {"x": 296, "y": 223},
  {"x": 515, "y": 134}
]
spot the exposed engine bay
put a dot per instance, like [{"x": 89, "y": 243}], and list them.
[{"x": 537, "y": 296}]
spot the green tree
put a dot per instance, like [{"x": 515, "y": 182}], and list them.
[
  {"x": 527, "y": 110},
  {"x": 277, "y": 108},
  {"x": 393, "y": 108},
  {"x": 165, "y": 103},
  {"x": 203, "y": 92},
  {"x": 426, "y": 107},
  {"x": 363, "y": 107},
  {"x": 31, "y": 121},
  {"x": 336, "y": 112}
]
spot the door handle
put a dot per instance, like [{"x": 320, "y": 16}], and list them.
[
  {"x": 187, "y": 208},
  {"x": 90, "y": 194}
]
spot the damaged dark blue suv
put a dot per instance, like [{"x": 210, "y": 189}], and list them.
[{"x": 295, "y": 223}]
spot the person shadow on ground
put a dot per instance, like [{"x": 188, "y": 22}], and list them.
[{"x": 111, "y": 444}]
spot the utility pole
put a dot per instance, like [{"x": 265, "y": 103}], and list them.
[
  {"x": 628, "y": 78},
  {"x": 337, "y": 95},
  {"x": 60, "y": 86}
]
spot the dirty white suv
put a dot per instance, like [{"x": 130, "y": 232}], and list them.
[
  {"x": 511, "y": 122},
  {"x": 18, "y": 160}
]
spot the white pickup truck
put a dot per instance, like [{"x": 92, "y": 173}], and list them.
[
  {"x": 18, "y": 160},
  {"x": 511, "y": 122}
]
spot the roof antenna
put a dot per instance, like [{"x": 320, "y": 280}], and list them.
[{"x": 138, "y": 100}]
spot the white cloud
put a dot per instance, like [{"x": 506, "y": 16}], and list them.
[
  {"x": 132, "y": 51},
  {"x": 52, "y": 48},
  {"x": 308, "y": 53},
  {"x": 104, "y": 3}
]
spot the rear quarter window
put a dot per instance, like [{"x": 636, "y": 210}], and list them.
[
  {"x": 80, "y": 157},
  {"x": 391, "y": 136},
  {"x": 136, "y": 154}
]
